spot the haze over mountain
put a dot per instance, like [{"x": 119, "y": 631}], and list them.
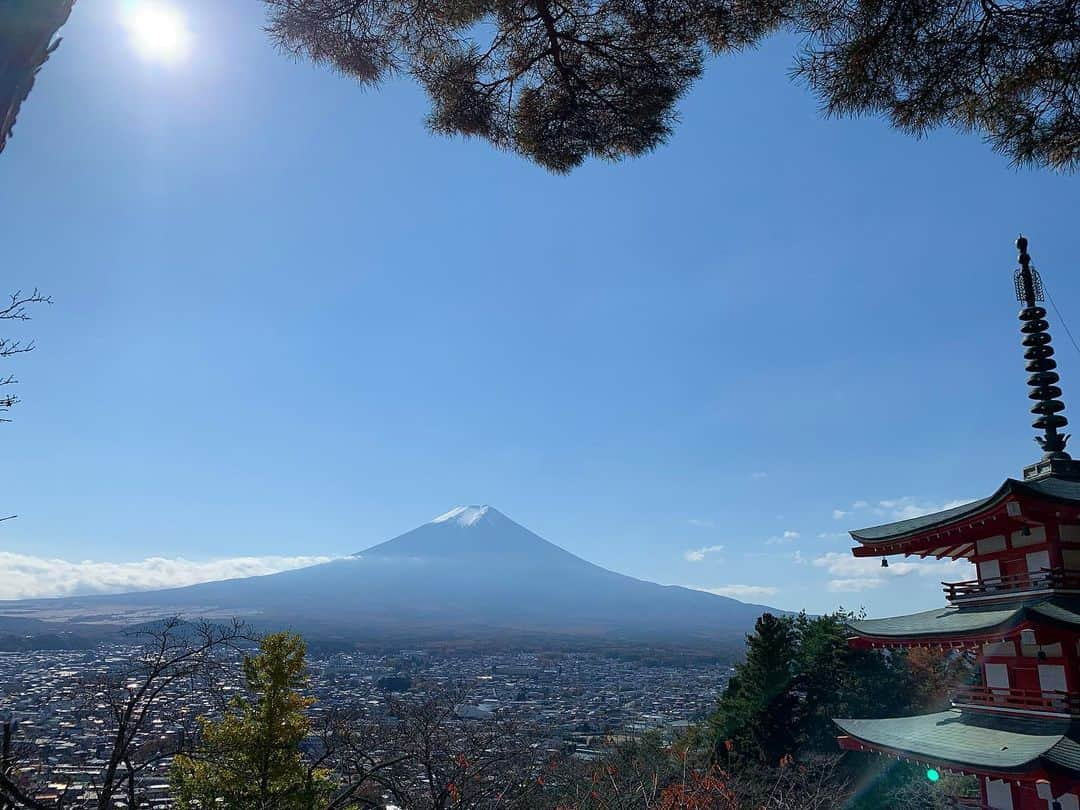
[{"x": 472, "y": 570}]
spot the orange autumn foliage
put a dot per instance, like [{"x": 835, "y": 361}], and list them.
[{"x": 699, "y": 791}]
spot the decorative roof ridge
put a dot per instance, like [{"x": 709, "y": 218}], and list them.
[
  {"x": 1007, "y": 722},
  {"x": 1038, "y": 353}
]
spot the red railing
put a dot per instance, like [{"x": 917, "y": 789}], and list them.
[
  {"x": 984, "y": 697},
  {"x": 1024, "y": 581}
]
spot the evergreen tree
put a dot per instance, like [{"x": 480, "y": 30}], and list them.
[
  {"x": 251, "y": 758},
  {"x": 564, "y": 80},
  {"x": 560, "y": 81},
  {"x": 834, "y": 679},
  {"x": 756, "y": 717},
  {"x": 800, "y": 673}
]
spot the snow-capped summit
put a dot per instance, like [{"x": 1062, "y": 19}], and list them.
[
  {"x": 467, "y": 531},
  {"x": 471, "y": 571},
  {"x": 465, "y": 515}
]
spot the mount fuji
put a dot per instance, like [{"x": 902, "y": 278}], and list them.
[{"x": 470, "y": 572}]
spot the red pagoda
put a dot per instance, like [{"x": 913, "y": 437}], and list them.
[{"x": 1018, "y": 731}]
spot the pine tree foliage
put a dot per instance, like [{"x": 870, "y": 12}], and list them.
[
  {"x": 251, "y": 758},
  {"x": 560, "y": 81},
  {"x": 1010, "y": 70},
  {"x": 556, "y": 80},
  {"x": 800, "y": 672},
  {"x": 757, "y": 710}
]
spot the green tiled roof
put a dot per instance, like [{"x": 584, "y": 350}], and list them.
[
  {"x": 889, "y": 531},
  {"x": 952, "y": 621},
  {"x": 1066, "y": 611},
  {"x": 944, "y": 621},
  {"x": 988, "y": 742},
  {"x": 1056, "y": 489},
  {"x": 1066, "y": 753}
]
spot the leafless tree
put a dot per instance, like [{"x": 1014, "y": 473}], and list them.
[
  {"x": 426, "y": 756},
  {"x": 811, "y": 783},
  {"x": 647, "y": 773},
  {"x": 175, "y": 658},
  {"x": 421, "y": 755},
  {"x": 357, "y": 751},
  {"x": 16, "y": 310},
  {"x": 13, "y": 754}
]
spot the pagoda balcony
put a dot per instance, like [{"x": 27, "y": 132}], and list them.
[
  {"x": 1017, "y": 700},
  {"x": 1054, "y": 579}
]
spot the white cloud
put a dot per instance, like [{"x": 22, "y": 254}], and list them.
[
  {"x": 26, "y": 577},
  {"x": 840, "y": 564},
  {"x": 862, "y": 573},
  {"x": 833, "y": 536},
  {"x": 854, "y": 585},
  {"x": 908, "y": 507},
  {"x": 786, "y": 537},
  {"x": 902, "y": 508},
  {"x": 698, "y": 554},
  {"x": 702, "y": 524},
  {"x": 743, "y": 591}
]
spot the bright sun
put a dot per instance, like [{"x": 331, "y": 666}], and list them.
[{"x": 158, "y": 31}]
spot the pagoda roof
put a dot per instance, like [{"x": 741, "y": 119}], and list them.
[
  {"x": 985, "y": 742},
  {"x": 1052, "y": 488},
  {"x": 954, "y": 622}
]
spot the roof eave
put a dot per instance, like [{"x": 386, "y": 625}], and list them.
[
  {"x": 852, "y": 742},
  {"x": 979, "y": 509}
]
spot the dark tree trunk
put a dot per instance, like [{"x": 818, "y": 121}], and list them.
[
  {"x": 27, "y": 37},
  {"x": 5, "y": 760}
]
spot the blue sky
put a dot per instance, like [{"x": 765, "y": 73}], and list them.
[{"x": 290, "y": 323}]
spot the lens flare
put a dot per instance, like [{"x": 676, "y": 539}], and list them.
[{"x": 932, "y": 774}]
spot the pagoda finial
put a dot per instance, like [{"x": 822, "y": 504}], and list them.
[{"x": 1040, "y": 363}]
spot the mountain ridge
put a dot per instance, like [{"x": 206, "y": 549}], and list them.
[{"x": 471, "y": 570}]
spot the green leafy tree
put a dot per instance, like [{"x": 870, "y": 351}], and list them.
[{"x": 251, "y": 759}]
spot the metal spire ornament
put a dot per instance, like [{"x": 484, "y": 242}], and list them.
[{"x": 1044, "y": 379}]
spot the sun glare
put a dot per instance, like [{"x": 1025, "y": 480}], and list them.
[{"x": 158, "y": 31}]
